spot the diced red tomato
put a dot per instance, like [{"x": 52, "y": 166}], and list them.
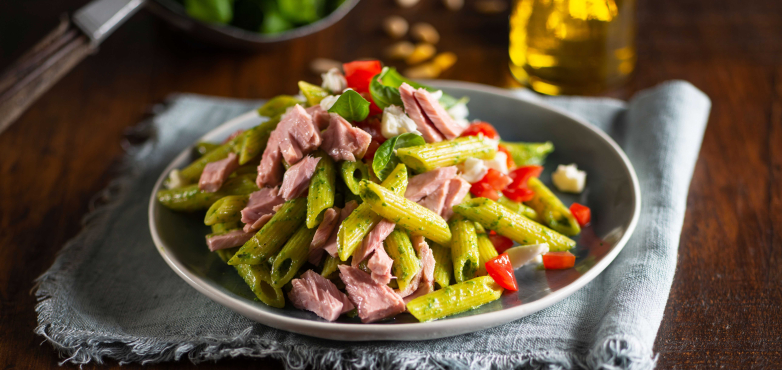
[
  {"x": 373, "y": 108},
  {"x": 372, "y": 126},
  {"x": 558, "y": 260},
  {"x": 359, "y": 73},
  {"x": 500, "y": 269},
  {"x": 582, "y": 213},
  {"x": 501, "y": 243},
  {"x": 511, "y": 164},
  {"x": 484, "y": 190},
  {"x": 518, "y": 190},
  {"x": 484, "y": 128}
]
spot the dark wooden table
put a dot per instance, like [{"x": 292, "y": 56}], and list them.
[{"x": 725, "y": 304}]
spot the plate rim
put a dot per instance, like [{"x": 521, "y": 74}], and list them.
[{"x": 403, "y": 331}]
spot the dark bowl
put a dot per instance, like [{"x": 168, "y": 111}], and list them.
[{"x": 236, "y": 38}]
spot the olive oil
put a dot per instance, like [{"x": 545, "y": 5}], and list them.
[{"x": 572, "y": 46}]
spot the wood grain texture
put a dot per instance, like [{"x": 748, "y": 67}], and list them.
[{"x": 725, "y": 301}]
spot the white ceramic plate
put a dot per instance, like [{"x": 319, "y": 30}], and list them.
[{"x": 612, "y": 193}]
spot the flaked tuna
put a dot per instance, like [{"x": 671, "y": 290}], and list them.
[
  {"x": 423, "y": 280},
  {"x": 380, "y": 264},
  {"x": 322, "y": 234},
  {"x": 315, "y": 293},
  {"x": 426, "y": 183},
  {"x": 423, "y": 289},
  {"x": 295, "y": 136},
  {"x": 331, "y": 244},
  {"x": 414, "y": 111},
  {"x": 457, "y": 190},
  {"x": 343, "y": 142},
  {"x": 215, "y": 173},
  {"x": 374, "y": 301},
  {"x": 230, "y": 239},
  {"x": 437, "y": 115},
  {"x": 373, "y": 241},
  {"x": 297, "y": 178},
  {"x": 258, "y": 224},
  {"x": 261, "y": 202},
  {"x": 320, "y": 116},
  {"x": 434, "y": 201}
]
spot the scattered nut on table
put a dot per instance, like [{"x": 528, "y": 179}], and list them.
[
  {"x": 322, "y": 65},
  {"x": 426, "y": 70},
  {"x": 406, "y": 3},
  {"x": 425, "y": 32},
  {"x": 444, "y": 60},
  {"x": 453, "y": 5},
  {"x": 422, "y": 52},
  {"x": 400, "y": 50},
  {"x": 490, "y": 6},
  {"x": 395, "y": 26}
]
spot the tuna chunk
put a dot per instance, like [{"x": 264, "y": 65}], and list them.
[
  {"x": 262, "y": 202},
  {"x": 413, "y": 110},
  {"x": 230, "y": 239},
  {"x": 216, "y": 173},
  {"x": 331, "y": 244},
  {"x": 343, "y": 142},
  {"x": 380, "y": 264},
  {"x": 320, "y": 116},
  {"x": 423, "y": 289},
  {"x": 258, "y": 224},
  {"x": 437, "y": 115},
  {"x": 427, "y": 260},
  {"x": 434, "y": 202},
  {"x": 427, "y": 182},
  {"x": 297, "y": 178},
  {"x": 457, "y": 190},
  {"x": 373, "y": 241},
  {"x": 374, "y": 301},
  {"x": 317, "y": 294},
  {"x": 326, "y": 227},
  {"x": 294, "y": 137}
]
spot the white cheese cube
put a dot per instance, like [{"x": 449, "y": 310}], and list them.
[
  {"x": 396, "y": 122},
  {"x": 334, "y": 81},
  {"x": 569, "y": 179},
  {"x": 328, "y": 102},
  {"x": 473, "y": 170},
  {"x": 524, "y": 254},
  {"x": 499, "y": 162}
]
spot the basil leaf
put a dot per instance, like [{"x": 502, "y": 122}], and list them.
[
  {"x": 351, "y": 106},
  {"x": 385, "y": 160},
  {"x": 210, "y": 11},
  {"x": 383, "y": 95}
]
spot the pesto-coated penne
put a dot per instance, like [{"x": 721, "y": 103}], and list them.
[
  {"x": 505, "y": 222},
  {"x": 525, "y": 154},
  {"x": 322, "y": 189},
  {"x": 455, "y": 299},
  {"x": 406, "y": 263},
  {"x": 225, "y": 227},
  {"x": 255, "y": 140},
  {"x": 277, "y": 105},
  {"x": 268, "y": 241},
  {"x": 202, "y": 147},
  {"x": 292, "y": 256},
  {"x": 313, "y": 93},
  {"x": 427, "y": 157},
  {"x": 411, "y": 216},
  {"x": 486, "y": 252},
  {"x": 226, "y": 254},
  {"x": 443, "y": 265},
  {"x": 226, "y": 209},
  {"x": 190, "y": 198},
  {"x": 352, "y": 173},
  {"x": 330, "y": 265},
  {"x": 259, "y": 279},
  {"x": 519, "y": 208},
  {"x": 464, "y": 248},
  {"x": 361, "y": 221},
  {"x": 551, "y": 210},
  {"x": 192, "y": 172}
]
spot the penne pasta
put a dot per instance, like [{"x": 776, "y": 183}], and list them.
[
  {"x": 406, "y": 264},
  {"x": 352, "y": 173},
  {"x": 455, "y": 299},
  {"x": 322, "y": 190},
  {"x": 226, "y": 209},
  {"x": 486, "y": 252},
  {"x": 292, "y": 256},
  {"x": 551, "y": 210},
  {"x": 427, "y": 157},
  {"x": 268, "y": 241},
  {"x": 190, "y": 198},
  {"x": 443, "y": 265},
  {"x": 464, "y": 248}
]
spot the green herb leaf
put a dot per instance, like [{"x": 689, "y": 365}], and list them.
[
  {"x": 351, "y": 106},
  {"x": 389, "y": 77},
  {"x": 385, "y": 160},
  {"x": 210, "y": 11},
  {"x": 383, "y": 95}
]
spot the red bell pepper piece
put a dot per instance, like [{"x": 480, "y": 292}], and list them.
[
  {"x": 511, "y": 164},
  {"x": 501, "y": 243},
  {"x": 484, "y": 128},
  {"x": 558, "y": 260},
  {"x": 518, "y": 190},
  {"x": 500, "y": 269},
  {"x": 484, "y": 190},
  {"x": 582, "y": 213},
  {"x": 488, "y": 186},
  {"x": 359, "y": 73}
]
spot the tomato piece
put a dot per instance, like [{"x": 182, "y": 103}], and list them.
[
  {"x": 511, "y": 164},
  {"x": 522, "y": 174},
  {"x": 518, "y": 190},
  {"x": 501, "y": 243},
  {"x": 558, "y": 260},
  {"x": 372, "y": 126},
  {"x": 373, "y": 108},
  {"x": 582, "y": 213},
  {"x": 500, "y": 269},
  {"x": 484, "y": 190},
  {"x": 484, "y": 128},
  {"x": 359, "y": 73},
  {"x": 519, "y": 194},
  {"x": 496, "y": 179}
]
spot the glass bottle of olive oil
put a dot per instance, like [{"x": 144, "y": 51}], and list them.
[{"x": 572, "y": 46}]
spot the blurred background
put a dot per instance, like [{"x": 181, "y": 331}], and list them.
[{"x": 68, "y": 144}]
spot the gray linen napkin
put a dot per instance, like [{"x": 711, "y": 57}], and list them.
[{"x": 109, "y": 295}]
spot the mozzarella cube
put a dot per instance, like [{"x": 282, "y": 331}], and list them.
[
  {"x": 473, "y": 170},
  {"x": 396, "y": 122},
  {"x": 459, "y": 113},
  {"x": 175, "y": 180},
  {"x": 328, "y": 102},
  {"x": 334, "y": 81},
  {"x": 499, "y": 162},
  {"x": 569, "y": 178},
  {"x": 524, "y": 254}
]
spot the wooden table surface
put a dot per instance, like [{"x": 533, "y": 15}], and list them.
[{"x": 724, "y": 308}]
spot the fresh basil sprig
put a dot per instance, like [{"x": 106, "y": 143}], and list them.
[
  {"x": 351, "y": 106},
  {"x": 385, "y": 89},
  {"x": 385, "y": 160}
]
